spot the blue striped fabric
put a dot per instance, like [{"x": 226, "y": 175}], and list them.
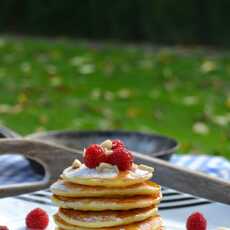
[
  {"x": 15, "y": 169},
  {"x": 215, "y": 166}
]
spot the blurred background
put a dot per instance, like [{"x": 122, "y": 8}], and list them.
[{"x": 153, "y": 66}]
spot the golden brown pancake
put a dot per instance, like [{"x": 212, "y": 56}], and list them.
[
  {"x": 67, "y": 189},
  {"x": 100, "y": 204},
  {"x": 94, "y": 219},
  {"x": 92, "y": 177},
  {"x": 109, "y": 203},
  {"x": 152, "y": 223}
]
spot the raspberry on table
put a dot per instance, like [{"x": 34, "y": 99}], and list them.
[
  {"x": 4, "y": 228},
  {"x": 196, "y": 221},
  {"x": 94, "y": 155},
  {"x": 37, "y": 219},
  {"x": 122, "y": 158},
  {"x": 117, "y": 144}
]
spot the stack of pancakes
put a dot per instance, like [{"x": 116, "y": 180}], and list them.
[{"x": 89, "y": 199}]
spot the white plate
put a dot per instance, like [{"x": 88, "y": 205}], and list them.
[{"x": 174, "y": 209}]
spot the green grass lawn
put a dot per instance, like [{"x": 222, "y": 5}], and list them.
[{"x": 53, "y": 85}]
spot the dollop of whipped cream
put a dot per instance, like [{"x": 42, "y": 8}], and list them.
[
  {"x": 106, "y": 171},
  {"x": 100, "y": 172},
  {"x": 140, "y": 171}
]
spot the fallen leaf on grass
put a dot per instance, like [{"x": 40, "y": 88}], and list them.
[
  {"x": 25, "y": 67},
  {"x": 170, "y": 85},
  {"x": 43, "y": 58},
  {"x": 44, "y": 100},
  {"x": 158, "y": 114},
  {"x": 40, "y": 129},
  {"x": 124, "y": 93},
  {"x": 43, "y": 119},
  {"x": 109, "y": 96},
  {"x": 78, "y": 123},
  {"x": 221, "y": 120},
  {"x": 8, "y": 109},
  {"x": 208, "y": 66},
  {"x": 107, "y": 113},
  {"x": 146, "y": 63},
  {"x": 108, "y": 68},
  {"x": 200, "y": 128},
  {"x": 165, "y": 56},
  {"x": 78, "y": 61},
  {"x": 95, "y": 94},
  {"x": 55, "y": 81},
  {"x": 56, "y": 54},
  {"x": 51, "y": 69},
  {"x": 186, "y": 146},
  {"x": 104, "y": 124},
  {"x": 87, "y": 69},
  {"x": 22, "y": 99},
  {"x": 2, "y": 42},
  {"x": 190, "y": 100},
  {"x": 133, "y": 112},
  {"x": 217, "y": 84},
  {"x": 227, "y": 102}
]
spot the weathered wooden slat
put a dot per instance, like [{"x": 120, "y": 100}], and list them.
[
  {"x": 187, "y": 181},
  {"x": 55, "y": 158},
  {"x": 52, "y": 157}
]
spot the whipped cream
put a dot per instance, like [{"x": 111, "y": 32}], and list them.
[
  {"x": 86, "y": 172},
  {"x": 138, "y": 171}
]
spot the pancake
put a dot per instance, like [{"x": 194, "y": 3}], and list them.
[
  {"x": 92, "y": 219},
  {"x": 93, "y": 177},
  {"x": 100, "y": 204},
  {"x": 67, "y": 189},
  {"x": 152, "y": 223}
]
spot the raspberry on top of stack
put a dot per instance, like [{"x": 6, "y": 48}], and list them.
[{"x": 108, "y": 191}]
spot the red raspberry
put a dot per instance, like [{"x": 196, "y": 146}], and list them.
[
  {"x": 196, "y": 221},
  {"x": 122, "y": 158},
  {"x": 94, "y": 155},
  {"x": 3, "y": 228},
  {"x": 37, "y": 219},
  {"x": 117, "y": 144}
]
